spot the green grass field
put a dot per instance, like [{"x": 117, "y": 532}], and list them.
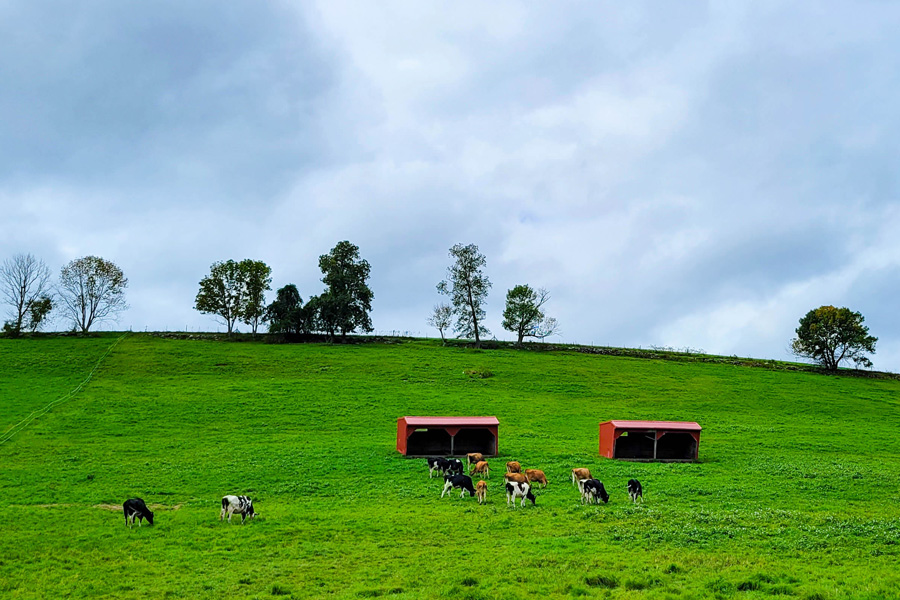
[{"x": 797, "y": 492}]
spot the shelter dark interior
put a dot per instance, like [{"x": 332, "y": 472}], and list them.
[
  {"x": 634, "y": 444},
  {"x": 676, "y": 446},
  {"x": 474, "y": 440},
  {"x": 429, "y": 441}
]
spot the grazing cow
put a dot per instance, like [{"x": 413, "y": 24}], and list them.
[
  {"x": 481, "y": 491},
  {"x": 461, "y": 482},
  {"x": 474, "y": 457},
  {"x": 635, "y": 490},
  {"x": 241, "y": 505},
  {"x": 456, "y": 466},
  {"x": 516, "y": 477},
  {"x": 134, "y": 508},
  {"x": 515, "y": 490},
  {"x": 579, "y": 475},
  {"x": 513, "y": 467},
  {"x": 437, "y": 464},
  {"x": 533, "y": 475},
  {"x": 592, "y": 491},
  {"x": 482, "y": 468}
]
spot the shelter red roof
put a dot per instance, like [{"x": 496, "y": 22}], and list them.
[
  {"x": 450, "y": 421},
  {"x": 671, "y": 425}
]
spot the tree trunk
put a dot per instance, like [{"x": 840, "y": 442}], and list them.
[{"x": 474, "y": 315}]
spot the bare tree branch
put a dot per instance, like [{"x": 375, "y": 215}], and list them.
[{"x": 24, "y": 279}]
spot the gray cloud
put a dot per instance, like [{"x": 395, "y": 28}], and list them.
[{"x": 684, "y": 174}]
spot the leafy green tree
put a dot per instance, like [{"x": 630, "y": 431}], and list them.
[
  {"x": 524, "y": 316},
  {"x": 285, "y": 314},
  {"x": 441, "y": 318},
  {"x": 38, "y": 311},
  {"x": 347, "y": 300},
  {"x": 258, "y": 280},
  {"x": 312, "y": 316},
  {"x": 467, "y": 287},
  {"x": 24, "y": 279},
  {"x": 92, "y": 290},
  {"x": 235, "y": 291},
  {"x": 829, "y": 335},
  {"x": 222, "y": 293}
]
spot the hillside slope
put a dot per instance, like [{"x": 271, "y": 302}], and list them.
[{"x": 796, "y": 492}]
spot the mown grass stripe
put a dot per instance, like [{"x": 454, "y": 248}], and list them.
[{"x": 68, "y": 396}]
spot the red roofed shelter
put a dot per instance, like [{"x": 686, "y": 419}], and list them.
[
  {"x": 650, "y": 440},
  {"x": 447, "y": 436}
]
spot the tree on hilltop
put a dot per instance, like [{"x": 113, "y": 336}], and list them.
[
  {"x": 235, "y": 291},
  {"x": 829, "y": 335},
  {"x": 92, "y": 290},
  {"x": 257, "y": 281},
  {"x": 467, "y": 287},
  {"x": 441, "y": 318},
  {"x": 524, "y": 316},
  {"x": 286, "y": 314},
  {"x": 24, "y": 280},
  {"x": 347, "y": 300},
  {"x": 38, "y": 311}
]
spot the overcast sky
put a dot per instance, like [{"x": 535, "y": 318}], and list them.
[{"x": 682, "y": 174}]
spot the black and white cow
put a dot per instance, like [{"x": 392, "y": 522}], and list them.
[
  {"x": 517, "y": 489},
  {"x": 461, "y": 482},
  {"x": 437, "y": 464},
  {"x": 241, "y": 505},
  {"x": 134, "y": 508},
  {"x": 592, "y": 491},
  {"x": 635, "y": 490},
  {"x": 456, "y": 466}
]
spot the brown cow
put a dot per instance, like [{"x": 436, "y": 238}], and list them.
[
  {"x": 513, "y": 467},
  {"x": 482, "y": 468},
  {"x": 481, "y": 491},
  {"x": 517, "y": 477},
  {"x": 533, "y": 475},
  {"x": 474, "y": 457},
  {"x": 579, "y": 475}
]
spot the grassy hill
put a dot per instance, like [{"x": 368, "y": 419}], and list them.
[{"x": 797, "y": 492}]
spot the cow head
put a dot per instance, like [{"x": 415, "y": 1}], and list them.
[
  {"x": 530, "y": 496},
  {"x": 149, "y": 517}
]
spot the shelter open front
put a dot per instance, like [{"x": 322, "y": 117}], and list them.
[
  {"x": 447, "y": 436},
  {"x": 650, "y": 440}
]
